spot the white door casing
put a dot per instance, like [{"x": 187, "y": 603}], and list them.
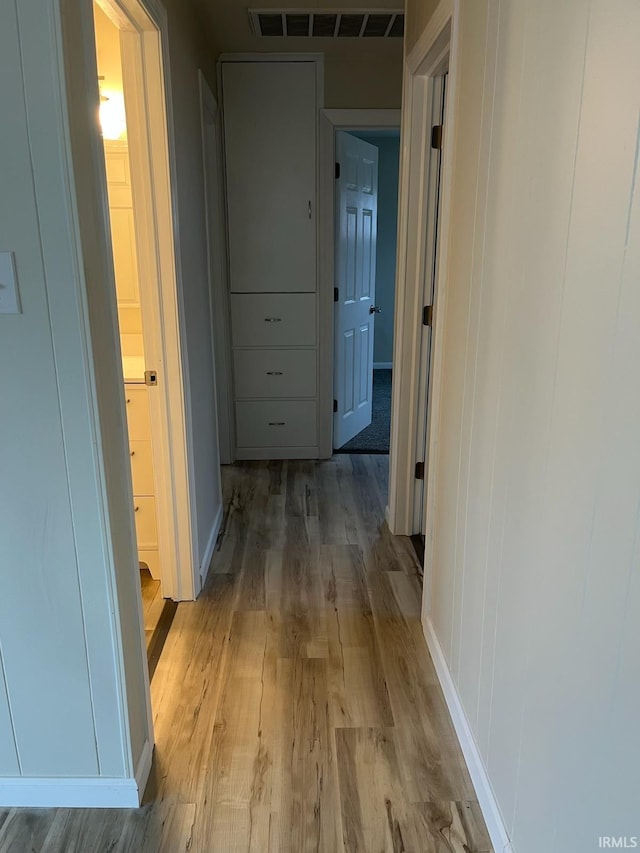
[
  {"x": 429, "y": 273},
  {"x": 355, "y": 262}
]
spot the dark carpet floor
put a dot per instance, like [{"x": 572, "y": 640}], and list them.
[{"x": 375, "y": 438}]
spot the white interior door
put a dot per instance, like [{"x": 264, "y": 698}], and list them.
[
  {"x": 355, "y": 260},
  {"x": 429, "y": 276}
]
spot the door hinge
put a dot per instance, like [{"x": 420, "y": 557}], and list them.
[
  {"x": 335, "y": 405},
  {"x": 337, "y": 172},
  {"x": 336, "y": 294},
  {"x": 436, "y": 137},
  {"x": 427, "y": 315},
  {"x": 419, "y": 470}
]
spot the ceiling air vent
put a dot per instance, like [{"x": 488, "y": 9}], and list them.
[{"x": 355, "y": 23}]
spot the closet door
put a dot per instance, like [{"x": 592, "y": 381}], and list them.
[{"x": 270, "y": 146}]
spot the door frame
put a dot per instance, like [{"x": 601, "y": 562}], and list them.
[
  {"x": 143, "y": 26},
  {"x": 218, "y": 273},
  {"x": 423, "y": 63},
  {"x": 331, "y": 121},
  {"x": 429, "y": 274}
]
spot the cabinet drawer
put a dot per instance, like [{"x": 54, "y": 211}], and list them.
[
  {"x": 278, "y": 423},
  {"x": 146, "y": 528},
  {"x": 273, "y": 319},
  {"x": 141, "y": 467},
  {"x": 138, "y": 421},
  {"x": 275, "y": 373}
]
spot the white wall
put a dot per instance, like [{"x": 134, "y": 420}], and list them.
[
  {"x": 73, "y": 695},
  {"x": 64, "y": 678},
  {"x": 187, "y": 52},
  {"x": 534, "y": 591}
]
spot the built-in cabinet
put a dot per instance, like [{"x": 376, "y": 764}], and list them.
[
  {"x": 141, "y": 456},
  {"x": 270, "y": 130}
]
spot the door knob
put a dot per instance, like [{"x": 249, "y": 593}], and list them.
[{"x": 375, "y": 309}]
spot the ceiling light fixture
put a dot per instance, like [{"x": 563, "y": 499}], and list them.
[{"x": 113, "y": 119}]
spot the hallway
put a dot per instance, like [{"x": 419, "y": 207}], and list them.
[{"x": 295, "y": 703}]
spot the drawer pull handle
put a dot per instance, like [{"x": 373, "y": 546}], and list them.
[
  {"x": 133, "y": 453},
  {"x": 276, "y": 423},
  {"x": 128, "y": 400},
  {"x": 275, "y": 373},
  {"x": 136, "y": 508},
  {"x": 273, "y": 319}
]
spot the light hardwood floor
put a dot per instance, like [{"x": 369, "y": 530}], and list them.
[{"x": 296, "y": 707}]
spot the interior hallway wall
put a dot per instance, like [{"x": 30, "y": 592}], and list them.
[
  {"x": 72, "y": 675},
  {"x": 534, "y": 588},
  {"x": 62, "y": 631},
  {"x": 370, "y": 82},
  {"x": 188, "y": 51}
]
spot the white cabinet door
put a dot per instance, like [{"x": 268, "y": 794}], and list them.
[
  {"x": 356, "y": 223},
  {"x": 270, "y": 150}
]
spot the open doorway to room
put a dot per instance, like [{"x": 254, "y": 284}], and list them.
[
  {"x": 422, "y": 260},
  {"x": 366, "y": 210},
  {"x": 132, "y": 119}
]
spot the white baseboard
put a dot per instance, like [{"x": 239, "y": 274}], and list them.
[
  {"x": 77, "y": 793},
  {"x": 94, "y": 793},
  {"x": 144, "y": 769},
  {"x": 211, "y": 544},
  {"x": 488, "y": 803},
  {"x": 277, "y": 453},
  {"x": 382, "y": 365}
]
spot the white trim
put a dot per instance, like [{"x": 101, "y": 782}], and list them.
[
  {"x": 438, "y": 40},
  {"x": 90, "y": 793},
  {"x": 143, "y": 769},
  {"x": 145, "y": 60},
  {"x": 364, "y": 119},
  {"x": 271, "y": 57},
  {"x": 276, "y": 453},
  {"x": 382, "y": 365},
  {"x": 211, "y": 544},
  {"x": 331, "y": 121},
  {"x": 440, "y": 308},
  {"x": 437, "y": 22},
  {"x": 481, "y": 783}
]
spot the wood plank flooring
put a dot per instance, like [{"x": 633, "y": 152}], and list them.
[{"x": 296, "y": 707}]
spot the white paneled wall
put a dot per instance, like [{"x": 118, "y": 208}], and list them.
[
  {"x": 535, "y": 582},
  {"x": 73, "y": 715}
]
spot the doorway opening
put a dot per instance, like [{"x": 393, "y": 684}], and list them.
[
  {"x": 366, "y": 208},
  {"x": 423, "y": 235},
  {"x": 132, "y": 119}
]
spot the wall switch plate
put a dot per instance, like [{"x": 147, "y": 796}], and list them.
[{"x": 9, "y": 298}]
